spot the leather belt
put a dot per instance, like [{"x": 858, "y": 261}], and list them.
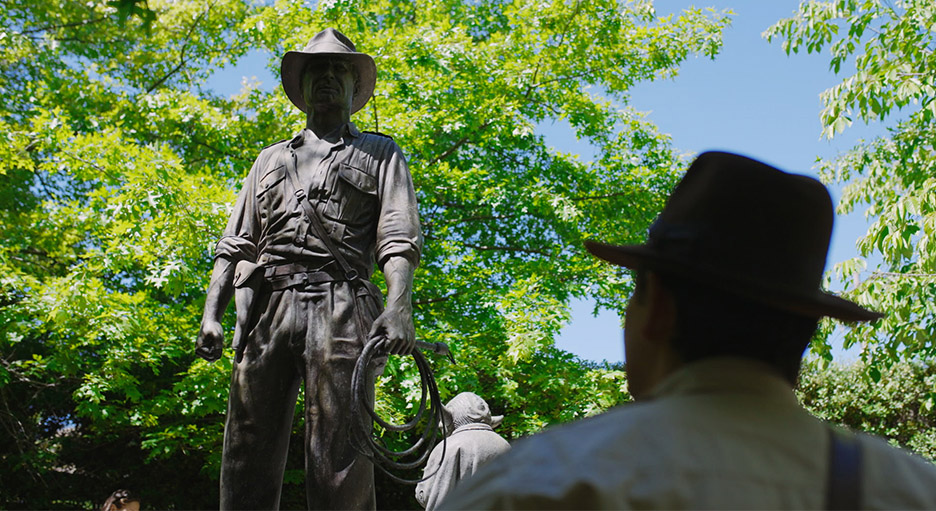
[{"x": 285, "y": 276}]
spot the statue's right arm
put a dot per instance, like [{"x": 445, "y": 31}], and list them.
[
  {"x": 210, "y": 341},
  {"x": 237, "y": 243}
]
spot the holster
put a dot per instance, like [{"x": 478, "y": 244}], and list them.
[{"x": 248, "y": 279}]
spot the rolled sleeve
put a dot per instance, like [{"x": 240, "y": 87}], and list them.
[
  {"x": 398, "y": 229},
  {"x": 241, "y": 236}
]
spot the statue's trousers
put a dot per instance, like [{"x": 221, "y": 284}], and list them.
[{"x": 311, "y": 336}]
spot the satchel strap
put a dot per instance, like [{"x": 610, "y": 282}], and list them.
[
  {"x": 843, "y": 488},
  {"x": 291, "y": 163}
]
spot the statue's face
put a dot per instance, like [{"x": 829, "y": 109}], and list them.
[{"x": 329, "y": 83}]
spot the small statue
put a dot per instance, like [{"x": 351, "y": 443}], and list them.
[{"x": 471, "y": 442}]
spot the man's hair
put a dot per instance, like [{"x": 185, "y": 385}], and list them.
[{"x": 711, "y": 323}]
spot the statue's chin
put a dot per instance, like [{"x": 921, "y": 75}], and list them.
[{"x": 327, "y": 105}]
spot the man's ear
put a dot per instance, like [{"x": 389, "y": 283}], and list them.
[{"x": 661, "y": 310}]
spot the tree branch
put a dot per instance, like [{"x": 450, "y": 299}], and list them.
[
  {"x": 188, "y": 39},
  {"x": 508, "y": 249},
  {"x": 63, "y": 25},
  {"x": 449, "y": 151},
  {"x": 892, "y": 274},
  {"x": 93, "y": 165},
  {"x": 170, "y": 73},
  {"x": 601, "y": 197},
  {"x": 562, "y": 34},
  {"x": 439, "y": 299}
]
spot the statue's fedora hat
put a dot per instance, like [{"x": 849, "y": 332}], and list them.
[
  {"x": 328, "y": 43},
  {"x": 749, "y": 229}
]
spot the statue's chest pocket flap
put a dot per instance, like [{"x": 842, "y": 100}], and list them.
[
  {"x": 354, "y": 201},
  {"x": 358, "y": 178},
  {"x": 268, "y": 181}
]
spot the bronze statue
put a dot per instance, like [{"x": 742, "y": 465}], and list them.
[{"x": 315, "y": 214}]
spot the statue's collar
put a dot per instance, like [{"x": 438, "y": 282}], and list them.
[{"x": 347, "y": 129}]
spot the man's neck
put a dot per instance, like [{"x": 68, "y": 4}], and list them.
[{"x": 325, "y": 124}]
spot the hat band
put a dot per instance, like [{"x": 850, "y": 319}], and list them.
[{"x": 674, "y": 240}]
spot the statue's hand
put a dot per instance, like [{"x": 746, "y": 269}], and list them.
[
  {"x": 210, "y": 341},
  {"x": 396, "y": 324}
]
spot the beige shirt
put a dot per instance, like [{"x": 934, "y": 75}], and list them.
[{"x": 718, "y": 434}]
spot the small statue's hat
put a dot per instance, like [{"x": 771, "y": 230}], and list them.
[
  {"x": 746, "y": 228},
  {"x": 328, "y": 43}
]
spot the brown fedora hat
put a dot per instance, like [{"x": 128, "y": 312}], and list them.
[
  {"x": 328, "y": 43},
  {"x": 747, "y": 228}
]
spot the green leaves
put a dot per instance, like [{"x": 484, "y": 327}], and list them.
[
  {"x": 119, "y": 168},
  {"x": 890, "y": 48},
  {"x": 895, "y": 402},
  {"x": 138, "y": 8}
]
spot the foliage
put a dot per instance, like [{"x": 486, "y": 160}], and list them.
[
  {"x": 891, "y": 46},
  {"x": 119, "y": 167},
  {"x": 899, "y": 406}
]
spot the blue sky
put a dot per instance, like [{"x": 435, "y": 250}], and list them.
[{"x": 752, "y": 99}]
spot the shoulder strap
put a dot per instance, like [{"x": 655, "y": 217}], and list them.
[
  {"x": 288, "y": 159},
  {"x": 843, "y": 488}
]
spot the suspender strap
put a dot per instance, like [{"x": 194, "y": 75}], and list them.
[
  {"x": 291, "y": 164},
  {"x": 843, "y": 488}
]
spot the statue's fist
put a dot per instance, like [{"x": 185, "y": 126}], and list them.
[
  {"x": 397, "y": 327},
  {"x": 210, "y": 341}
]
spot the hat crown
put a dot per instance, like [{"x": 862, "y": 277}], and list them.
[
  {"x": 468, "y": 408},
  {"x": 330, "y": 41},
  {"x": 738, "y": 215}
]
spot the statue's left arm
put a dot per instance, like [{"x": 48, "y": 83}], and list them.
[
  {"x": 396, "y": 321},
  {"x": 399, "y": 245}
]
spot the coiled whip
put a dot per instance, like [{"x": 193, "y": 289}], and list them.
[{"x": 363, "y": 415}]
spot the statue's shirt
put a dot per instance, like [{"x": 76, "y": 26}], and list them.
[{"x": 360, "y": 186}]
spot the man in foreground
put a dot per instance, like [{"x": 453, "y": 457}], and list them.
[
  {"x": 727, "y": 298},
  {"x": 314, "y": 215}
]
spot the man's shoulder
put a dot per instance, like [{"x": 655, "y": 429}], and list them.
[
  {"x": 596, "y": 440},
  {"x": 549, "y": 468},
  {"x": 896, "y": 478},
  {"x": 612, "y": 424}
]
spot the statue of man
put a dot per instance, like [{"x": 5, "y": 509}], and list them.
[
  {"x": 471, "y": 442},
  {"x": 314, "y": 215}
]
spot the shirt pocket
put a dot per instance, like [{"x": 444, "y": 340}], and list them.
[
  {"x": 270, "y": 190},
  {"x": 354, "y": 200}
]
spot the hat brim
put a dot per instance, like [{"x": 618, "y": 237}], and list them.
[
  {"x": 816, "y": 304},
  {"x": 294, "y": 63}
]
